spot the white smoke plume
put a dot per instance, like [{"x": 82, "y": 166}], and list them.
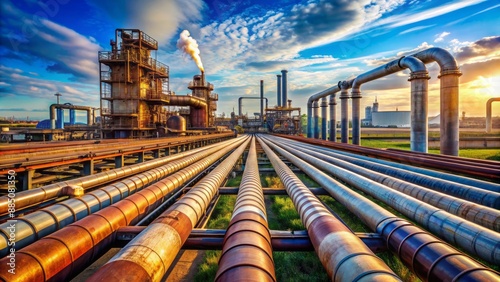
[{"x": 189, "y": 45}]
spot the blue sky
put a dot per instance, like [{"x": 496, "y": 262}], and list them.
[{"x": 51, "y": 46}]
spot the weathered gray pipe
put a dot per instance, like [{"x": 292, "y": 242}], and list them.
[
  {"x": 419, "y": 92},
  {"x": 278, "y": 90},
  {"x": 457, "y": 187},
  {"x": 41, "y": 194},
  {"x": 247, "y": 249},
  {"x": 333, "y": 118},
  {"x": 149, "y": 255},
  {"x": 482, "y": 215},
  {"x": 488, "y": 112},
  {"x": 240, "y": 107},
  {"x": 473, "y": 238},
  {"x": 344, "y": 110},
  {"x": 38, "y": 224},
  {"x": 262, "y": 102},
  {"x": 344, "y": 256},
  {"x": 449, "y": 115},
  {"x": 425, "y": 177},
  {"x": 53, "y": 108},
  {"x": 284, "y": 87},
  {"x": 316, "y": 119},
  {"x": 310, "y": 102},
  {"x": 324, "y": 111},
  {"x": 430, "y": 259}
]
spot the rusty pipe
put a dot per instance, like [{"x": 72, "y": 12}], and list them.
[
  {"x": 44, "y": 193},
  {"x": 56, "y": 257},
  {"x": 43, "y": 222},
  {"x": 429, "y": 258},
  {"x": 247, "y": 249},
  {"x": 342, "y": 253},
  {"x": 149, "y": 255},
  {"x": 488, "y": 113},
  {"x": 473, "y": 238}
]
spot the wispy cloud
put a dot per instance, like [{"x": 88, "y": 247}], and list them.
[
  {"x": 416, "y": 29},
  {"x": 440, "y": 37}
]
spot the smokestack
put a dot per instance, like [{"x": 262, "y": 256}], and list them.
[
  {"x": 279, "y": 90},
  {"x": 189, "y": 46},
  {"x": 284, "y": 94},
  {"x": 261, "y": 101}
]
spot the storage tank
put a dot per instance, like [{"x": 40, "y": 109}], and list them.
[{"x": 176, "y": 123}]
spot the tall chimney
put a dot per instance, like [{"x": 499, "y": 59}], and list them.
[
  {"x": 279, "y": 90},
  {"x": 261, "y": 101},
  {"x": 284, "y": 94}
]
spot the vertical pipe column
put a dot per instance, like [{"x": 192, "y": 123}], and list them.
[
  {"x": 344, "y": 112},
  {"x": 284, "y": 94},
  {"x": 488, "y": 113},
  {"x": 449, "y": 112},
  {"x": 278, "y": 90},
  {"x": 310, "y": 125},
  {"x": 262, "y": 103},
  {"x": 419, "y": 111},
  {"x": 324, "y": 113},
  {"x": 72, "y": 116},
  {"x": 316, "y": 120},
  {"x": 356, "y": 116},
  {"x": 333, "y": 120},
  {"x": 60, "y": 118}
]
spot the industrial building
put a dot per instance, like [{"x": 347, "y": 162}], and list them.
[{"x": 386, "y": 118}]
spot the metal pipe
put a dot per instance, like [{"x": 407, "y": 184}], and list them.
[
  {"x": 324, "y": 109},
  {"x": 278, "y": 91},
  {"x": 56, "y": 257},
  {"x": 333, "y": 119},
  {"x": 44, "y": 193},
  {"x": 442, "y": 182},
  {"x": 262, "y": 102},
  {"x": 240, "y": 107},
  {"x": 488, "y": 112},
  {"x": 284, "y": 93},
  {"x": 484, "y": 216},
  {"x": 53, "y": 108},
  {"x": 430, "y": 259},
  {"x": 449, "y": 92},
  {"x": 247, "y": 250},
  {"x": 150, "y": 254},
  {"x": 473, "y": 238},
  {"x": 38, "y": 224},
  {"x": 311, "y": 100},
  {"x": 344, "y": 110},
  {"x": 342, "y": 253},
  {"x": 316, "y": 119},
  {"x": 418, "y": 78}
]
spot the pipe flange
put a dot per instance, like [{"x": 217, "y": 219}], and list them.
[
  {"x": 399, "y": 62},
  {"x": 444, "y": 72},
  {"x": 419, "y": 75}
]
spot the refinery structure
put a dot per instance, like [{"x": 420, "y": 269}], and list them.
[{"x": 141, "y": 179}]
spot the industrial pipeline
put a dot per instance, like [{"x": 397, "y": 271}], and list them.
[
  {"x": 427, "y": 257},
  {"x": 61, "y": 254},
  {"x": 343, "y": 254},
  {"x": 150, "y": 254}
]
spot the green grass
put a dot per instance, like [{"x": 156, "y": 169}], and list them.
[{"x": 485, "y": 154}]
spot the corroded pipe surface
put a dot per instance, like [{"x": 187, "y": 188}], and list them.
[
  {"x": 149, "y": 255},
  {"x": 473, "y": 238},
  {"x": 429, "y": 258},
  {"x": 247, "y": 250},
  {"x": 57, "y": 256},
  {"x": 342, "y": 253}
]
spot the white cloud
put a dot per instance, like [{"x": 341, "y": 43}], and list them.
[{"x": 440, "y": 37}]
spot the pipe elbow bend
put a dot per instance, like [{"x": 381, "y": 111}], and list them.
[{"x": 412, "y": 63}]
